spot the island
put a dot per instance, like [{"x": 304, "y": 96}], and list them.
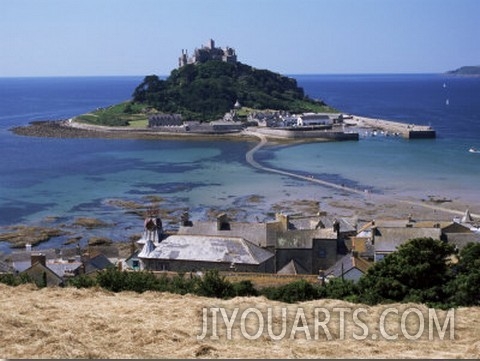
[
  {"x": 211, "y": 93},
  {"x": 466, "y": 70}
]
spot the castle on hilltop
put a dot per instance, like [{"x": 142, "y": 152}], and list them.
[{"x": 206, "y": 53}]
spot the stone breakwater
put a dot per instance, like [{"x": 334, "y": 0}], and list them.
[
  {"x": 314, "y": 134},
  {"x": 411, "y": 131}
]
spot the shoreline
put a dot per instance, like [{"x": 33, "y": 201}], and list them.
[
  {"x": 70, "y": 129},
  {"x": 336, "y": 199}
]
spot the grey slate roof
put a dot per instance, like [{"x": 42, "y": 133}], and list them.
[
  {"x": 96, "y": 263},
  {"x": 6, "y": 268},
  {"x": 462, "y": 239},
  {"x": 37, "y": 271},
  {"x": 292, "y": 268},
  {"x": 388, "y": 239},
  {"x": 253, "y": 232},
  {"x": 209, "y": 249},
  {"x": 345, "y": 264},
  {"x": 60, "y": 268},
  {"x": 147, "y": 248}
]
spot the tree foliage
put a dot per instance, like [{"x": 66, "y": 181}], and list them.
[
  {"x": 208, "y": 90},
  {"x": 464, "y": 287},
  {"x": 416, "y": 272}
]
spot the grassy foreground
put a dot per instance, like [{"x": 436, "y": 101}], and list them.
[{"x": 94, "y": 323}]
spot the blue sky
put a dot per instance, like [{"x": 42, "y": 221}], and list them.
[{"x": 139, "y": 37}]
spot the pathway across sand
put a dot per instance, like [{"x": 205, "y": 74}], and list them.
[{"x": 263, "y": 141}]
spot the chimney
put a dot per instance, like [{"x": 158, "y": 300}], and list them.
[
  {"x": 336, "y": 227},
  {"x": 283, "y": 219},
  {"x": 38, "y": 258},
  {"x": 223, "y": 223}
]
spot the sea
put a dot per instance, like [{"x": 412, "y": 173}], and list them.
[{"x": 52, "y": 182}]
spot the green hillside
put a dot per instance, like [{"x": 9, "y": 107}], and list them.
[
  {"x": 466, "y": 70},
  {"x": 207, "y": 91}
]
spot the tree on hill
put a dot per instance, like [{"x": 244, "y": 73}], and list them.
[
  {"x": 208, "y": 90},
  {"x": 464, "y": 289},
  {"x": 416, "y": 272}
]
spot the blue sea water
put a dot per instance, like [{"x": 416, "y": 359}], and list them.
[{"x": 53, "y": 181}]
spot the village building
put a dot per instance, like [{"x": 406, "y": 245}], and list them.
[
  {"x": 379, "y": 238},
  {"x": 350, "y": 267},
  {"x": 189, "y": 253},
  {"x": 43, "y": 275},
  {"x": 300, "y": 245},
  {"x": 53, "y": 267},
  {"x": 165, "y": 120},
  {"x": 314, "y": 119}
]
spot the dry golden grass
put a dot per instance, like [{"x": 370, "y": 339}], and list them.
[
  {"x": 71, "y": 323},
  {"x": 262, "y": 280}
]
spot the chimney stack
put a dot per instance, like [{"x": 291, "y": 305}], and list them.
[{"x": 38, "y": 258}]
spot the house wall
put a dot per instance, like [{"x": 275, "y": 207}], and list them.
[
  {"x": 324, "y": 254},
  {"x": 193, "y": 266},
  {"x": 303, "y": 256},
  {"x": 40, "y": 274},
  {"x": 314, "y": 120},
  {"x": 353, "y": 274}
]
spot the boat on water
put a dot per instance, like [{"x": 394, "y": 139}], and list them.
[{"x": 474, "y": 150}]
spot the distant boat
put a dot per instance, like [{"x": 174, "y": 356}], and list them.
[
  {"x": 474, "y": 150},
  {"x": 447, "y": 102},
  {"x": 444, "y": 85}
]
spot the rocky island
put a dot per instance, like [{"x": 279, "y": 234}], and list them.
[{"x": 210, "y": 93}]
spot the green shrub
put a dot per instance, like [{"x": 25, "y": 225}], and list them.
[
  {"x": 340, "y": 289},
  {"x": 297, "y": 291},
  {"x": 244, "y": 288},
  {"x": 212, "y": 284},
  {"x": 15, "y": 280},
  {"x": 82, "y": 281},
  {"x": 112, "y": 279}
]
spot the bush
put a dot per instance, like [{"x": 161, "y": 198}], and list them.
[
  {"x": 112, "y": 279},
  {"x": 297, "y": 291},
  {"x": 82, "y": 281},
  {"x": 15, "y": 280},
  {"x": 341, "y": 289},
  {"x": 214, "y": 285},
  {"x": 179, "y": 284},
  {"x": 244, "y": 288}
]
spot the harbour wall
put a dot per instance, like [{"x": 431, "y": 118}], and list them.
[
  {"x": 410, "y": 131},
  {"x": 330, "y": 135}
]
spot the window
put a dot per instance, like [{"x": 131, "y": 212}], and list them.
[{"x": 322, "y": 252}]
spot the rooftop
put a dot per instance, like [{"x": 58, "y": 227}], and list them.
[{"x": 208, "y": 249}]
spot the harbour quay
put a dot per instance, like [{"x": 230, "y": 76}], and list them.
[{"x": 409, "y": 131}]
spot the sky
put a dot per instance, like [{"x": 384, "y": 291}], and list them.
[{"x": 141, "y": 37}]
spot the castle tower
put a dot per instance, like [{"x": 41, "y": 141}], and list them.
[
  {"x": 211, "y": 44},
  {"x": 183, "y": 59}
]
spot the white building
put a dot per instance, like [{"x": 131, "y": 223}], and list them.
[{"x": 309, "y": 119}]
